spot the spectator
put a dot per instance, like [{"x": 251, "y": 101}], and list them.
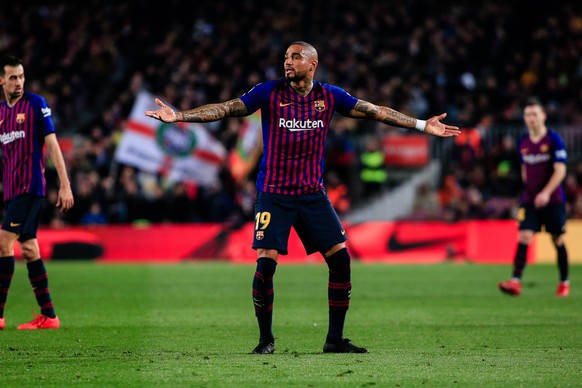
[
  {"x": 94, "y": 216},
  {"x": 478, "y": 65},
  {"x": 373, "y": 172},
  {"x": 426, "y": 204}
]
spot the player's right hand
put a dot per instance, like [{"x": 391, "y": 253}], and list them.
[{"x": 165, "y": 113}]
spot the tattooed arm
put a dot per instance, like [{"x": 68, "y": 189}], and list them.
[
  {"x": 388, "y": 116},
  {"x": 202, "y": 114}
]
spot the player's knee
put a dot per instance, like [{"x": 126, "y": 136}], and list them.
[
  {"x": 339, "y": 261},
  {"x": 272, "y": 254},
  {"x": 334, "y": 249},
  {"x": 7, "y": 243},
  {"x": 525, "y": 237},
  {"x": 29, "y": 251},
  {"x": 558, "y": 240}
]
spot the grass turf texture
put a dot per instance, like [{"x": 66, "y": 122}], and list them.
[{"x": 193, "y": 325}]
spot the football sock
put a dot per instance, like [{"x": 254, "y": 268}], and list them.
[
  {"x": 39, "y": 280},
  {"x": 338, "y": 291},
  {"x": 519, "y": 260},
  {"x": 263, "y": 295},
  {"x": 6, "y": 273},
  {"x": 562, "y": 262}
]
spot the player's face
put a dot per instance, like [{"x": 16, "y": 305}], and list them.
[
  {"x": 13, "y": 81},
  {"x": 298, "y": 64},
  {"x": 534, "y": 117}
]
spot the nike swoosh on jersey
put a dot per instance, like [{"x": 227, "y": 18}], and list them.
[
  {"x": 282, "y": 104},
  {"x": 14, "y": 225}
]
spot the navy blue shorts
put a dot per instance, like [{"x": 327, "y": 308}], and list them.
[
  {"x": 552, "y": 217},
  {"x": 22, "y": 216},
  {"x": 312, "y": 216}
]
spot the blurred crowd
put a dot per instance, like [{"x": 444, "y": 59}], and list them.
[{"x": 476, "y": 61}]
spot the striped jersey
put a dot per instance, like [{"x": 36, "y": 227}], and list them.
[
  {"x": 294, "y": 133},
  {"x": 538, "y": 160},
  {"x": 23, "y": 128}
]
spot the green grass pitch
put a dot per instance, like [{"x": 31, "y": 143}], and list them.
[{"x": 193, "y": 325}]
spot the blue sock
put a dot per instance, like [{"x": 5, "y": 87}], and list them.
[
  {"x": 264, "y": 295},
  {"x": 520, "y": 260},
  {"x": 338, "y": 290},
  {"x": 39, "y": 281},
  {"x": 562, "y": 262},
  {"x": 6, "y": 274}
]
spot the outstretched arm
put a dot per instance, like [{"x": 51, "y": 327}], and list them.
[
  {"x": 383, "y": 114},
  {"x": 202, "y": 114}
]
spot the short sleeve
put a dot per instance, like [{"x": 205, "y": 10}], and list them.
[
  {"x": 345, "y": 102},
  {"x": 45, "y": 116},
  {"x": 559, "y": 148},
  {"x": 258, "y": 96}
]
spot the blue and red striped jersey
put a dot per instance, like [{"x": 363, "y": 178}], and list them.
[
  {"x": 294, "y": 132},
  {"x": 538, "y": 160},
  {"x": 23, "y": 128}
]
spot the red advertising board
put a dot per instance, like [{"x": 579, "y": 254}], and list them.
[
  {"x": 385, "y": 242},
  {"x": 406, "y": 150}
]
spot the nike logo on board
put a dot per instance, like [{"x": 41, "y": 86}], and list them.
[{"x": 396, "y": 245}]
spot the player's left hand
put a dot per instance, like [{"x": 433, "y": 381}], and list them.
[
  {"x": 65, "y": 199},
  {"x": 541, "y": 200},
  {"x": 436, "y": 128}
]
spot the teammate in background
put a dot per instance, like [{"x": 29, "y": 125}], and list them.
[
  {"x": 296, "y": 112},
  {"x": 25, "y": 126},
  {"x": 543, "y": 168}
]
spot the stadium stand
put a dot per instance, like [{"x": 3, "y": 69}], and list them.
[{"x": 477, "y": 62}]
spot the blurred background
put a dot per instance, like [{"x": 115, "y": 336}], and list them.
[{"x": 478, "y": 62}]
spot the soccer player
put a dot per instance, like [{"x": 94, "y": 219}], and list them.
[
  {"x": 25, "y": 126},
  {"x": 543, "y": 158},
  {"x": 296, "y": 113}
]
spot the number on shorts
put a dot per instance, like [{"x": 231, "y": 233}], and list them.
[
  {"x": 262, "y": 218},
  {"x": 521, "y": 214}
]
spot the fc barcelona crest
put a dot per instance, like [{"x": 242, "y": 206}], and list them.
[
  {"x": 319, "y": 105},
  {"x": 544, "y": 148},
  {"x": 20, "y": 118},
  {"x": 260, "y": 234}
]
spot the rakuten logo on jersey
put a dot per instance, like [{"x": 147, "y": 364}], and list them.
[
  {"x": 9, "y": 137},
  {"x": 536, "y": 158},
  {"x": 300, "y": 125}
]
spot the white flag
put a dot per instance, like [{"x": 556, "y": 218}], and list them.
[{"x": 179, "y": 151}]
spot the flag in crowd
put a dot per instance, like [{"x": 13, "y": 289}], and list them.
[{"x": 184, "y": 152}]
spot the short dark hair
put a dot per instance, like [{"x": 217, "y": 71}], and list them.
[
  {"x": 533, "y": 101},
  {"x": 9, "y": 60}
]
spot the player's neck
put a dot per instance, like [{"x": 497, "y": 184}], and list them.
[
  {"x": 302, "y": 87},
  {"x": 536, "y": 134},
  {"x": 11, "y": 101}
]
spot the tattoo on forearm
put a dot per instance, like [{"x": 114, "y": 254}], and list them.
[
  {"x": 396, "y": 118},
  {"x": 369, "y": 110},
  {"x": 214, "y": 112},
  {"x": 204, "y": 113},
  {"x": 385, "y": 115}
]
